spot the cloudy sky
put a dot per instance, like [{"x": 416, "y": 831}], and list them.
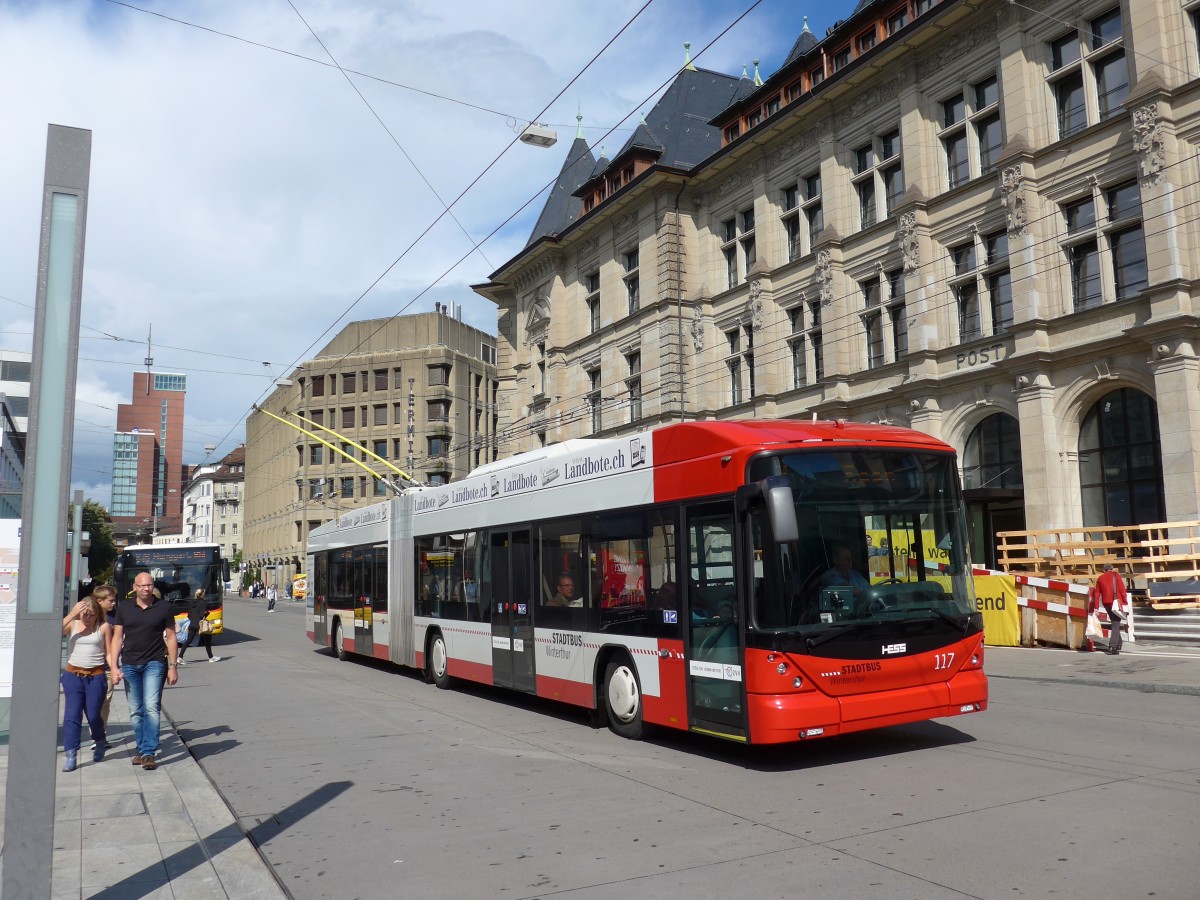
[{"x": 244, "y": 195}]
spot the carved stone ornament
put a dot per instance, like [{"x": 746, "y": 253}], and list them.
[
  {"x": 983, "y": 36},
  {"x": 588, "y": 246},
  {"x": 539, "y": 271},
  {"x": 1012, "y": 195},
  {"x": 697, "y": 329},
  {"x": 910, "y": 247},
  {"x": 825, "y": 277},
  {"x": 755, "y": 306},
  {"x": 737, "y": 181},
  {"x": 624, "y": 223},
  {"x": 1148, "y": 142}
]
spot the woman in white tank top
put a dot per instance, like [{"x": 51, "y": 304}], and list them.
[{"x": 85, "y": 680}]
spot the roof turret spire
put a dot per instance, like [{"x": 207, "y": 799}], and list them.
[
  {"x": 687, "y": 57},
  {"x": 757, "y": 78}
]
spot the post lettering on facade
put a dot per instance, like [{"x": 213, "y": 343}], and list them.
[{"x": 979, "y": 357}]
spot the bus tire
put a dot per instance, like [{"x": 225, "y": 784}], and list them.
[
  {"x": 623, "y": 699},
  {"x": 437, "y": 662},
  {"x": 338, "y": 648}
]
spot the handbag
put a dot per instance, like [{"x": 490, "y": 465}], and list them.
[
  {"x": 1093, "y": 629},
  {"x": 206, "y": 627}
]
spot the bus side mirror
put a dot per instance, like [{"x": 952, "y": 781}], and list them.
[
  {"x": 781, "y": 510},
  {"x": 119, "y": 568},
  {"x": 224, "y": 570}
]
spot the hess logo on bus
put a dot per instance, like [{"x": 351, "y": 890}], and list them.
[{"x": 889, "y": 649}]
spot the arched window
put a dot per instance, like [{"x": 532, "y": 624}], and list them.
[
  {"x": 993, "y": 455},
  {"x": 1120, "y": 461}
]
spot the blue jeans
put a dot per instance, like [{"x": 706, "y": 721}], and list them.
[
  {"x": 143, "y": 689},
  {"x": 82, "y": 694}
]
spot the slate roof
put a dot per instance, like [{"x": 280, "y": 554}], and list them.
[
  {"x": 562, "y": 206},
  {"x": 804, "y": 43},
  {"x": 679, "y": 120}
]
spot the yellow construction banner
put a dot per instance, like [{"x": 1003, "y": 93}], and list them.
[{"x": 996, "y": 598}]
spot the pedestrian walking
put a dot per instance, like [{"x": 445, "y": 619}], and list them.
[
  {"x": 198, "y": 627},
  {"x": 145, "y": 637},
  {"x": 271, "y": 597},
  {"x": 83, "y": 682},
  {"x": 1110, "y": 593},
  {"x": 106, "y": 596}
]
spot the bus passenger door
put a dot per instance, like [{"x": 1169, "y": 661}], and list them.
[
  {"x": 318, "y": 568},
  {"x": 364, "y": 620},
  {"x": 715, "y": 683},
  {"x": 512, "y": 603}
]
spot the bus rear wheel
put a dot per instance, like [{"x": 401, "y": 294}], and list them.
[
  {"x": 623, "y": 699},
  {"x": 437, "y": 662},
  {"x": 338, "y": 648}
]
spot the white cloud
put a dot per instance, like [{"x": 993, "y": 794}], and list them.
[{"x": 241, "y": 198}]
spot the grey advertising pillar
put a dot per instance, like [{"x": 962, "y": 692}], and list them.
[{"x": 33, "y": 721}]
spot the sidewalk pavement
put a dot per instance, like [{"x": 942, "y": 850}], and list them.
[
  {"x": 1142, "y": 666},
  {"x": 122, "y": 832}
]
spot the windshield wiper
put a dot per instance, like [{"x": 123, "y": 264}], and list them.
[
  {"x": 818, "y": 640},
  {"x": 940, "y": 613}
]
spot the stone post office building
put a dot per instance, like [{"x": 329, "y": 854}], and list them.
[{"x": 972, "y": 218}]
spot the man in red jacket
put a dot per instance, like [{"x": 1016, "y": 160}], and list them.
[{"x": 1110, "y": 592}]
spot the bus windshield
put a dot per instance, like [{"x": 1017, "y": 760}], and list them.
[
  {"x": 178, "y": 571},
  {"x": 881, "y": 538}
]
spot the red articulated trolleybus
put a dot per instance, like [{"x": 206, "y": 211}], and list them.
[{"x": 761, "y": 581}]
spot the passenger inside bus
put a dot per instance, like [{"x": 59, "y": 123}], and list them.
[{"x": 565, "y": 595}]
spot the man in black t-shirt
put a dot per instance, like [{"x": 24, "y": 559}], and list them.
[{"x": 144, "y": 641}]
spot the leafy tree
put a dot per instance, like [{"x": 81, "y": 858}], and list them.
[{"x": 98, "y": 523}]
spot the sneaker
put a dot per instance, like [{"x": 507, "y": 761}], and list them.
[
  {"x": 181, "y": 661},
  {"x": 214, "y": 659},
  {"x": 138, "y": 759},
  {"x": 149, "y": 762}
]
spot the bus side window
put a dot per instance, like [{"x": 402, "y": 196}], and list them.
[
  {"x": 663, "y": 617},
  {"x": 379, "y": 600},
  {"x": 427, "y": 599},
  {"x": 562, "y": 583},
  {"x": 619, "y": 549},
  {"x": 483, "y": 575}
]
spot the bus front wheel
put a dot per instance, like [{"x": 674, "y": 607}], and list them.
[
  {"x": 338, "y": 648},
  {"x": 437, "y": 666},
  {"x": 623, "y": 699}
]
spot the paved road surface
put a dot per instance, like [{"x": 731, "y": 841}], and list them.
[{"x": 366, "y": 782}]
